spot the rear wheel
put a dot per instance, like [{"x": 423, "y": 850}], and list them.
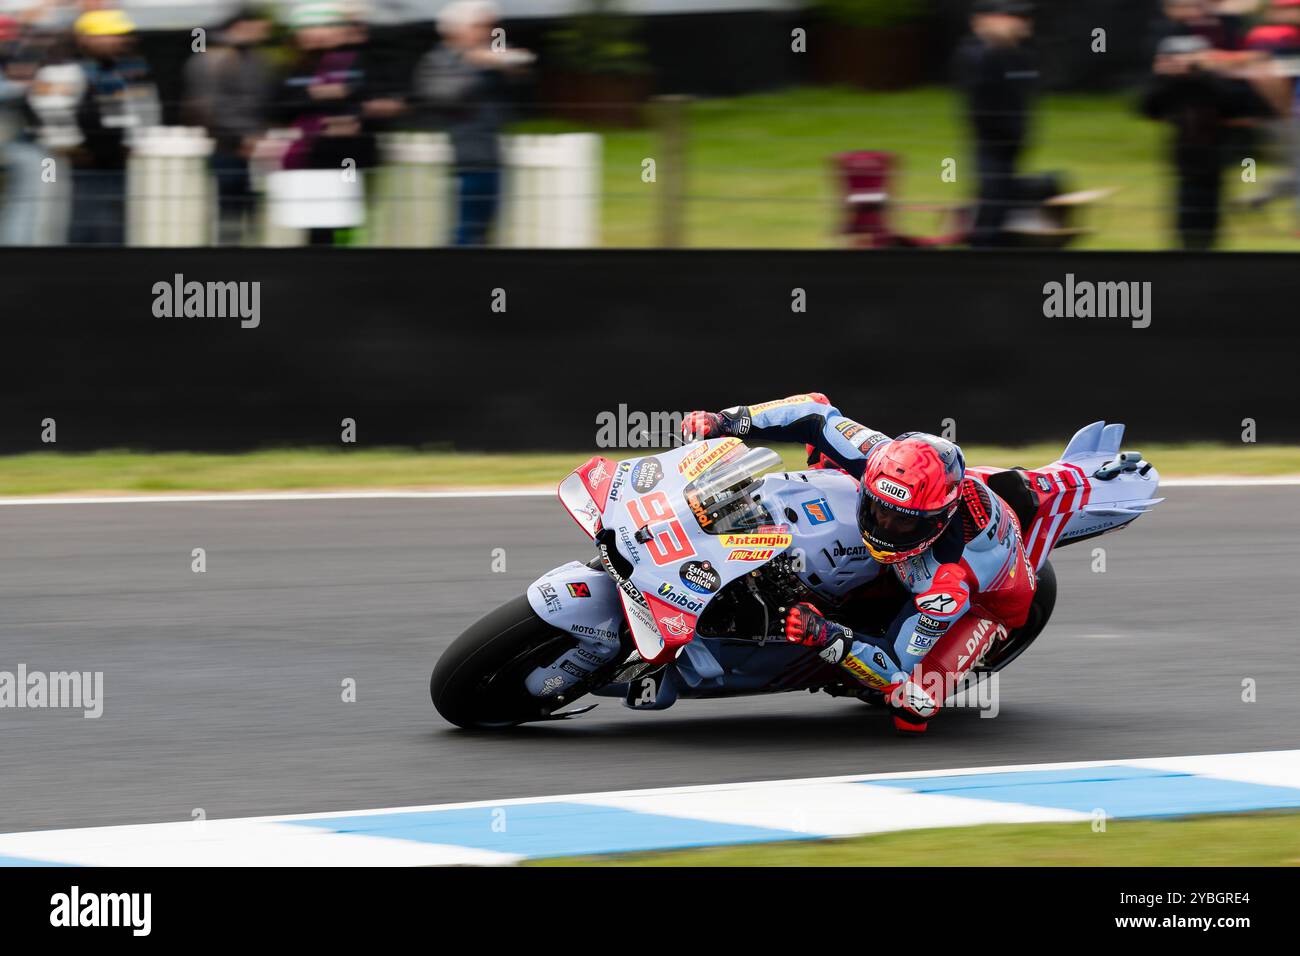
[
  {"x": 479, "y": 680},
  {"x": 1018, "y": 641}
]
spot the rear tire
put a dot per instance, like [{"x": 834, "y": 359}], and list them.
[
  {"x": 1040, "y": 612},
  {"x": 478, "y": 681}
]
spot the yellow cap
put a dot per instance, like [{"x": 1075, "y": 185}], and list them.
[{"x": 103, "y": 23}]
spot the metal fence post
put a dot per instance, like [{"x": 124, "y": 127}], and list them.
[{"x": 670, "y": 168}]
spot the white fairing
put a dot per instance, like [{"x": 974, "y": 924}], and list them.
[
  {"x": 596, "y": 617},
  {"x": 1105, "y": 504},
  {"x": 821, "y": 507}
]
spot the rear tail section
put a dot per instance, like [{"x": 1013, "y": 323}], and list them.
[{"x": 1091, "y": 489}]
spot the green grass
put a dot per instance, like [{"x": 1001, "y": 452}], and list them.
[
  {"x": 759, "y": 168},
  {"x": 322, "y": 468},
  {"x": 1263, "y": 839}
]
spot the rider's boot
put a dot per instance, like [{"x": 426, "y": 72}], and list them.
[{"x": 915, "y": 701}]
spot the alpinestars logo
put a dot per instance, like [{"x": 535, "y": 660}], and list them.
[
  {"x": 833, "y": 652},
  {"x": 942, "y": 603}
]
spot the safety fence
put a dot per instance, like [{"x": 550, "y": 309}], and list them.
[
  {"x": 550, "y": 193},
  {"x": 496, "y": 348}
]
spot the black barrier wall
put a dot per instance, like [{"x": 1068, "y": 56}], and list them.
[{"x": 409, "y": 344}]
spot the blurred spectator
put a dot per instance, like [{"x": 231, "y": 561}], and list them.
[
  {"x": 1199, "y": 87},
  {"x": 119, "y": 97},
  {"x": 998, "y": 75},
  {"x": 56, "y": 88},
  {"x": 323, "y": 97},
  {"x": 228, "y": 92},
  {"x": 1278, "y": 34},
  {"x": 464, "y": 83},
  {"x": 20, "y": 157}
]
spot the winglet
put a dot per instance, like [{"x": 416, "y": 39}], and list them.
[{"x": 1086, "y": 441}]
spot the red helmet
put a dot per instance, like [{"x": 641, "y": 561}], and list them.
[{"x": 908, "y": 495}]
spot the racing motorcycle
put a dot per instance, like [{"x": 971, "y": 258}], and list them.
[{"x": 699, "y": 551}]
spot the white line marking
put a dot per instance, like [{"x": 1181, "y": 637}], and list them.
[
  {"x": 185, "y": 498},
  {"x": 1287, "y": 757},
  {"x": 812, "y": 806},
  {"x": 1228, "y": 482}
]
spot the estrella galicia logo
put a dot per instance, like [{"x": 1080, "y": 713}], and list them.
[
  {"x": 647, "y": 473},
  {"x": 700, "y": 577},
  {"x": 818, "y": 511}
]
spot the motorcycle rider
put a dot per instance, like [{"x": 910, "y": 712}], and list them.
[{"x": 953, "y": 544}]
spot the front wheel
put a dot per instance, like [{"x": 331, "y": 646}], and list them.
[{"x": 479, "y": 680}]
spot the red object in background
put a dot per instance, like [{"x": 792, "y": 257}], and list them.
[
  {"x": 865, "y": 177},
  {"x": 1281, "y": 37}
]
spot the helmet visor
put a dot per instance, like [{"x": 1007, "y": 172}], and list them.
[{"x": 887, "y": 527}]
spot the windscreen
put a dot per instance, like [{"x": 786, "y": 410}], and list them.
[{"x": 723, "y": 499}]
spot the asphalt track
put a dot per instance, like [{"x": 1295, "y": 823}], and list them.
[{"x": 223, "y": 689}]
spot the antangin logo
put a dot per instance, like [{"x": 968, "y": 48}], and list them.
[
  {"x": 755, "y": 540},
  {"x": 699, "y": 459}
]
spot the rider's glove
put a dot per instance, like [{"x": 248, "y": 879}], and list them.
[
  {"x": 732, "y": 423},
  {"x": 699, "y": 425},
  {"x": 805, "y": 625}
]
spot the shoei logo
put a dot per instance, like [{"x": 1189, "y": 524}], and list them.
[{"x": 892, "y": 489}]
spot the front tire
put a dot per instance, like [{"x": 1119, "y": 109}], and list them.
[{"x": 478, "y": 682}]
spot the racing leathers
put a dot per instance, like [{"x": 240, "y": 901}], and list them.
[{"x": 969, "y": 588}]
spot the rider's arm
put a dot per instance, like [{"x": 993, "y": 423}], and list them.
[
  {"x": 809, "y": 419},
  {"x": 916, "y": 628},
  {"x": 945, "y": 598}
]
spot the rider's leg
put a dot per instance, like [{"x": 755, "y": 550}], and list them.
[{"x": 918, "y": 698}]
